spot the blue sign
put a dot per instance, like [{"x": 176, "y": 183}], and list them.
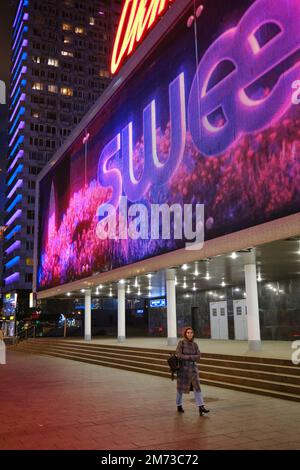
[{"x": 158, "y": 303}]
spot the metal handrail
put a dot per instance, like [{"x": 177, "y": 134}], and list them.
[{"x": 26, "y": 333}]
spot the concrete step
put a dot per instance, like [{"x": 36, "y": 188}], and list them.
[
  {"x": 154, "y": 352},
  {"x": 156, "y": 364},
  {"x": 239, "y": 362},
  {"x": 204, "y": 380},
  {"x": 275, "y": 378}
]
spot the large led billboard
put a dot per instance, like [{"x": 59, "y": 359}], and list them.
[{"x": 209, "y": 118}]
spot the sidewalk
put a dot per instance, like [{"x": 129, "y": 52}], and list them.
[{"x": 50, "y": 403}]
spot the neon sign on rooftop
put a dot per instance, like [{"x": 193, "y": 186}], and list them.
[{"x": 138, "y": 17}]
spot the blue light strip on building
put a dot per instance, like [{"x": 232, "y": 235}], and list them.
[
  {"x": 20, "y": 127},
  {"x": 19, "y": 155},
  {"x": 19, "y": 27},
  {"x": 17, "y": 229},
  {"x": 23, "y": 3},
  {"x": 22, "y": 98},
  {"x": 13, "y": 262},
  {"x": 19, "y": 47},
  {"x": 23, "y": 84},
  {"x": 24, "y": 44},
  {"x": 23, "y": 58},
  {"x": 20, "y": 113},
  {"x": 14, "y": 203},
  {"x": 19, "y": 142},
  {"x": 23, "y": 71},
  {"x": 25, "y": 30},
  {"x": 16, "y": 173}
]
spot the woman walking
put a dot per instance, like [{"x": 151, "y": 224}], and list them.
[{"x": 188, "y": 375}]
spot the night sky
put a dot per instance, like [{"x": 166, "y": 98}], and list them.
[{"x": 7, "y": 12}]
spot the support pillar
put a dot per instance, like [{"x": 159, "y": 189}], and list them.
[
  {"x": 171, "y": 307},
  {"x": 121, "y": 313},
  {"x": 254, "y": 338},
  {"x": 88, "y": 315}
]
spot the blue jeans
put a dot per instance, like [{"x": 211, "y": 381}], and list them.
[{"x": 198, "y": 398}]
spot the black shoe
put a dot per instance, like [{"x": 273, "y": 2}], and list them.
[
  {"x": 203, "y": 410},
  {"x": 180, "y": 409}
]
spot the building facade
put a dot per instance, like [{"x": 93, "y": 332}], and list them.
[
  {"x": 204, "y": 113},
  {"x": 60, "y": 66},
  {"x": 3, "y": 159}
]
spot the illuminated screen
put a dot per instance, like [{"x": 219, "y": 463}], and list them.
[
  {"x": 216, "y": 125},
  {"x": 158, "y": 303}
]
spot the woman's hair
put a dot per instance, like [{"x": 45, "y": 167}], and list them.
[{"x": 186, "y": 330}]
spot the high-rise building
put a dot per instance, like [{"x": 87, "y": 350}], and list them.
[
  {"x": 3, "y": 156},
  {"x": 60, "y": 65}
]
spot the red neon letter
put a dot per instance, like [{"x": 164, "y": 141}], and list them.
[{"x": 137, "y": 18}]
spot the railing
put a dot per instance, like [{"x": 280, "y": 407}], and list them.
[{"x": 25, "y": 333}]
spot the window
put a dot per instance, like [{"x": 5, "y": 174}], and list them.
[
  {"x": 33, "y": 170},
  {"x": 36, "y": 60},
  {"x": 38, "y": 86},
  {"x": 29, "y": 246},
  {"x": 67, "y": 40},
  {"x": 53, "y": 62},
  {"x": 31, "y": 184},
  {"x": 66, "y": 91},
  {"x": 35, "y": 114},
  {"x": 51, "y": 116},
  {"x": 30, "y": 215},
  {"x": 67, "y": 54},
  {"x": 104, "y": 74},
  {"x": 79, "y": 30},
  {"x": 92, "y": 21},
  {"x": 29, "y": 277},
  {"x": 67, "y": 27},
  {"x": 31, "y": 199},
  {"x": 52, "y": 89}
]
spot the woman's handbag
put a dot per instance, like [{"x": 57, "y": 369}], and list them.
[{"x": 174, "y": 364}]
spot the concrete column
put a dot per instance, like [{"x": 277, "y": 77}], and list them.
[
  {"x": 88, "y": 315},
  {"x": 121, "y": 313},
  {"x": 254, "y": 339},
  {"x": 171, "y": 307}
]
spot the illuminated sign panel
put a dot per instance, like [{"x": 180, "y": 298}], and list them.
[
  {"x": 158, "y": 303},
  {"x": 138, "y": 17},
  {"x": 224, "y": 134}
]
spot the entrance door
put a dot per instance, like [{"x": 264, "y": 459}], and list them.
[
  {"x": 218, "y": 320},
  {"x": 240, "y": 319}
]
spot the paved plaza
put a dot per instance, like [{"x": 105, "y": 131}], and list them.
[{"x": 50, "y": 403}]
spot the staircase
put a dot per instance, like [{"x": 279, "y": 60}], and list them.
[{"x": 276, "y": 378}]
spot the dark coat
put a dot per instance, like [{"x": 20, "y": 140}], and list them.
[{"x": 188, "y": 374}]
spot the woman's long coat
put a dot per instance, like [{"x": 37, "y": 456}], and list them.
[{"x": 188, "y": 374}]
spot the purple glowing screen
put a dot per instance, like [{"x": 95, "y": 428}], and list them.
[{"x": 224, "y": 134}]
